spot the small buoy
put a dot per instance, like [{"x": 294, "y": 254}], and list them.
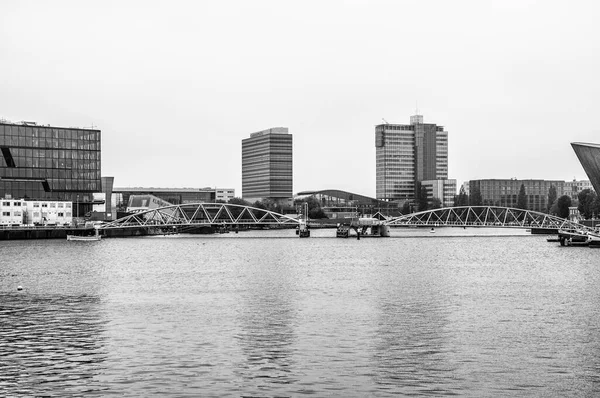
[{"x": 19, "y": 287}]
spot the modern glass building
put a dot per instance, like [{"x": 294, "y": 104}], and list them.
[
  {"x": 407, "y": 154},
  {"x": 267, "y": 165},
  {"x": 50, "y": 163}
]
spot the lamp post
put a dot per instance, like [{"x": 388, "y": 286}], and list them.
[{"x": 77, "y": 207}]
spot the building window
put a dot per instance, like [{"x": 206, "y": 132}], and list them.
[
  {"x": 44, "y": 204},
  {"x": 52, "y": 205},
  {"x": 6, "y": 213},
  {"x": 61, "y": 214},
  {"x": 61, "y": 205},
  {"x": 7, "y": 204},
  {"x": 36, "y": 205}
]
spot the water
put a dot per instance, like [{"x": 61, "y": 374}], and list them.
[{"x": 267, "y": 314}]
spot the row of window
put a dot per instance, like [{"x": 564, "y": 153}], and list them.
[
  {"x": 50, "y": 205},
  {"x": 35, "y": 214},
  {"x": 47, "y": 143},
  {"x": 43, "y": 132}
]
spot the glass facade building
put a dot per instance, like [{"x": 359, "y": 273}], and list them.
[
  {"x": 407, "y": 154},
  {"x": 267, "y": 165},
  {"x": 505, "y": 193},
  {"x": 50, "y": 163}
]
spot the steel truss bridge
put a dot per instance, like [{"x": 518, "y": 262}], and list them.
[
  {"x": 485, "y": 216},
  {"x": 194, "y": 215},
  {"x": 202, "y": 215}
]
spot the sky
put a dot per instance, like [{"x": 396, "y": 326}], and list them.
[{"x": 175, "y": 86}]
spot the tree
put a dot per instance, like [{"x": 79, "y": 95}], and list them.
[
  {"x": 522, "y": 198},
  {"x": 436, "y": 203},
  {"x": 587, "y": 203},
  {"x": 314, "y": 207},
  {"x": 238, "y": 201},
  {"x": 405, "y": 208},
  {"x": 551, "y": 197},
  {"x": 563, "y": 203},
  {"x": 475, "y": 198},
  {"x": 259, "y": 205},
  {"x": 462, "y": 199}
]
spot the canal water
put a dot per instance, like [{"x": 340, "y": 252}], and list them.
[{"x": 262, "y": 314}]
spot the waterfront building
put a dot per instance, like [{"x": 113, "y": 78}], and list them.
[
  {"x": 572, "y": 188},
  {"x": 174, "y": 196},
  {"x": 589, "y": 157},
  {"x": 407, "y": 154},
  {"x": 444, "y": 190},
  {"x": 505, "y": 192},
  {"x": 49, "y": 163},
  {"x": 267, "y": 165},
  {"x": 18, "y": 212},
  {"x": 11, "y": 212},
  {"x": 145, "y": 202},
  {"x": 336, "y": 203}
]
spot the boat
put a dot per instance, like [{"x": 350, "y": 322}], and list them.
[
  {"x": 84, "y": 238},
  {"x": 593, "y": 240},
  {"x": 573, "y": 238}
]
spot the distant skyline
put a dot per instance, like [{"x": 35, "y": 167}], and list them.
[{"x": 176, "y": 86}]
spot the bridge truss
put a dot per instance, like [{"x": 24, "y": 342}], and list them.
[
  {"x": 202, "y": 215},
  {"x": 486, "y": 216}
]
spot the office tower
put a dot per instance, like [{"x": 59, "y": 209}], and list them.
[
  {"x": 49, "y": 163},
  {"x": 410, "y": 153},
  {"x": 267, "y": 165}
]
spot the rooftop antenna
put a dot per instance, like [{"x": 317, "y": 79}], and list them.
[{"x": 385, "y": 121}]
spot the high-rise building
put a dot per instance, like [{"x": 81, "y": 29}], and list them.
[
  {"x": 50, "y": 163},
  {"x": 267, "y": 165},
  {"x": 407, "y": 154}
]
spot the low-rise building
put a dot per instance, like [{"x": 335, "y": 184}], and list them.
[
  {"x": 48, "y": 213},
  {"x": 572, "y": 188},
  {"x": 17, "y": 212},
  {"x": 11, "y": 212},
  {"x": 177, "y": 196}
]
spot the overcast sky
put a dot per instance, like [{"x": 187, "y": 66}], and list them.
[{"x": 175, "y": 86}]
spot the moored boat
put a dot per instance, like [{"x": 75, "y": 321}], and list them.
[
  {"x": 593, "y": 240},
  {"x": 84, "y": 238},
  {"x": 573, "y": 238}
]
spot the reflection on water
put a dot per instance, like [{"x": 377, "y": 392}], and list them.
[
  {"x": 282, "y": 316},
  {"x": 266, "y": 315},
  {"x": 50, "y": 344}
]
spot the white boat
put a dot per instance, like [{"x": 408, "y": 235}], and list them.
[{"x": 84, "y": 238}]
